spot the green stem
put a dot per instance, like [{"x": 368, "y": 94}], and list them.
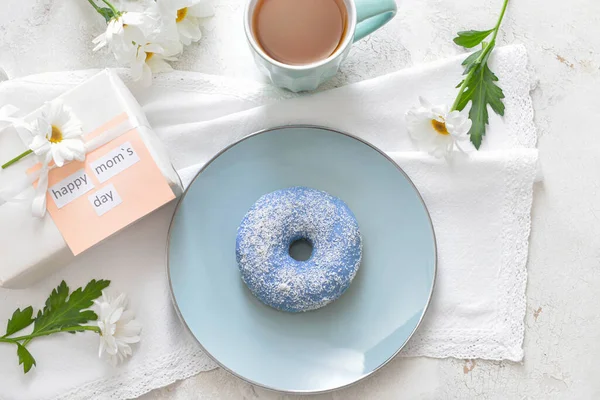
[
  {"x": 500, "y": 18},
  {"x": 94, "y": 5},
  {"x": 113, "y": 8},
  {"x": 17, "y": 158},
  {"x": 486, "y": 49},
  {"x": 28, "y": 338}
]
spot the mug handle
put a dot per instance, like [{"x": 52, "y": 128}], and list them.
[{"x": 372, "y": 15}]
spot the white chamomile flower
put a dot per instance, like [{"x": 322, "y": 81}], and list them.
[
  {"x": 57, "y": 135},
  {"x": 436, "y": 129},
  {"x": 152, "y": 58},
  {"x": 118, "y": 328},
  {"x": 124, "y": 33},
  {"x": 185, "y": 16}
]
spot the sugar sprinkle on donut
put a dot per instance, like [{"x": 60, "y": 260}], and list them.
[{"x": 278, "y": 219}]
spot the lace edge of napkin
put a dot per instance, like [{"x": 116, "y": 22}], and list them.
[
  {"x": 182, "y": 364},
  {"x": 517, "y": 90}
]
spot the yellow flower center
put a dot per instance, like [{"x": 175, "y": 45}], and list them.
[
  {"x": 440, "y": 127},
  {"x": 56, "y": 136},
  {"x": 149, "y": 55},
  {"x": 181, "y": 13}
]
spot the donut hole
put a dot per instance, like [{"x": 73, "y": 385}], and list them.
[{"x": 301, "y": 249}]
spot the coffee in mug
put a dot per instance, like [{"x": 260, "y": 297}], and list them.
[
  {"x": 299, "y": 32},
  {"x": 299, "y": 44}
]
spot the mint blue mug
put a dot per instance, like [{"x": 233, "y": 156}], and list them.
[{"x": 364, "y": 17}]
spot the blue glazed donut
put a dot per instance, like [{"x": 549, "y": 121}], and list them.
[{"x": 277, "y": 220}]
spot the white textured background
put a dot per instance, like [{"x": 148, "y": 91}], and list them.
[{"x": 562, "y": 342}]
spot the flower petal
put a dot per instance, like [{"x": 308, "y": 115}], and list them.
[
  {"x": 120, "y": 301},
  {"x": 153, "y": 48},
  {"x": 171, "y": 47},
  {"x": 66, "y": 153},
  {"x": 130, "y": 339},
  {"x": 189, "y": 29},
  {"x": 126, "y": 350},
  {"x": 57, "y": 156},
  {"x": 131, "y": 330},
  {"x": 441, "y": 111},
  {"x": 203, "y": 9},
  {"x": 58, "y": 113},
  {"x": 43, "y": 127},
  {"x": 72, "y": 129},
  {"x": 158, "y": 65},
  {"x": 100, "y": 41},
  {"x": 116, "y": 315},
  {"x": 111, "y": 345},
  {"x": 146, "y": 79},
  {"x": 101, "y": 347},
  {"x": 77, "y": 147},
  {"x": 133, "y": 18},
  {"x": 137, "y": 69}
]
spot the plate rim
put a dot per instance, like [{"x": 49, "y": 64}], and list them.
[{"x": 214, "y": 359}]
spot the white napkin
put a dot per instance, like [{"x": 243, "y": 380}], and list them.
[{"x": 480, "y": 208}]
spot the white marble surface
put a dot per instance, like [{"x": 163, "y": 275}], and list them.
[{"x": 563, "y": 38}]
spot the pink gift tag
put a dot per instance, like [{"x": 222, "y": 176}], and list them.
[{"x": 116, "y": 185}]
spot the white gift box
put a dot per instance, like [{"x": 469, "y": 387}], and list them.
[{"x": 32, "y": 247}]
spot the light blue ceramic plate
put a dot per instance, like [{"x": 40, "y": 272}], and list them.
[{"x": 336, "y": 345}]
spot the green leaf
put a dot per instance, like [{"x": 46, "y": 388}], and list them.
[
  {"x": 62, "y": 310},
  {"x": 107, "y": 13},
  {"x": 471, "y": 62},
  {"x": 20, "y": 320},
  {"x": 471, "y": 58},
  {"x": 469, "y": 39},
  {"x": 481, "y": 91},
  {"x": 25, "y": 358}
]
